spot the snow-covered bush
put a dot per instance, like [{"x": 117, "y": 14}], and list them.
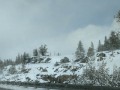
[
  {"x": 44, "y": 70},
  {"x": 84, "y": 60},
  {"x": 102, "y": 75},
  {"x": 28, "y": 79},
  {"x": 47, "y": 60},
  {"x": 12, "y": 70},
  {"x": 65, "y": 60},
  {"x": 77, "y": 60},
  {"x": 40, "y": 60},
  {"x": 96, "y": 76},
  {"x": 56, "y": 64}
]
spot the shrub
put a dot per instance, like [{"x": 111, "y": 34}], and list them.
[
  {"x": 56, "y": 70},
  {"x": 101, "y": 55},
  {"x": 77, "y": 60},
  {"x": 47, "y": 60},
  {"x": 65, "y": 60},
  {"x": 85, "y": 60},
  {"x": 40, "y": 60},
  {"x": 44, "y": 70},
  {"x": 12, "y": 70},
  {"x": 56, "y": 64},
  {"x": 28, "y": 79}
]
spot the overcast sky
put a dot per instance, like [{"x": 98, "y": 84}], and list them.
[{"x": 26, "y": 24}]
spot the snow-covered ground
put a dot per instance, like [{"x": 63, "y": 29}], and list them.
[
  {"x": 35, "y": 71},
  {"x": 112, "y": 59},
  {"x": 15, "y": 87}
]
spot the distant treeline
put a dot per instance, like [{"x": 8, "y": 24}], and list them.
[
  {"x": 25, "y": 57},
  {"x": 110, "y": 43}
]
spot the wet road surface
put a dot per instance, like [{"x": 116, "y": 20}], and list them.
[{"x": 4, "y": 89}]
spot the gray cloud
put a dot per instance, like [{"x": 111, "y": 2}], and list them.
[{"x": 26, "y": 24}]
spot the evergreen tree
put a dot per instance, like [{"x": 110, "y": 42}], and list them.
[
  {"x": 25, "y": 57},
  {"x": 1, "y": 64},
  {"x": 18, "y": 59},
  {"x": 80, "y": 53},
  {"x": 114, "y": 41},
  {"x": 89, "y": 53},
  {"x": 91, "y": 50},
  {"x": 35, "y": 52},
  {"x": 92, "y": 45},
  {"x": 8, "y": 62},
  {"x": 21, "y": 57},
  {"x": 118, "y": 39},
  {"x": 118, "y": 16},
  {"x": 43, "y": 50},
  {"x": 100, "y": 47},
  {"x": 106, "y": 44}
]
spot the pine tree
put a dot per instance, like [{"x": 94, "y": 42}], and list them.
[
  {"x": 93, "y": 50},
  {"x": 90, "y": 51},
  {"x": 80, "y": 53},
  {"x": 8, "y": 62},
  {"x": 35, "y": 52},
  {"x": 1, "y": 64},
  {"x": 118, "y": 39},
  {"x": 43, "y": 50},
  {"x": 24, "y": 57},
  {"x": 106, "y": 44},
  {"x": 100, "y": 47},
  {"x": 118, "y": 16},
  {"x": 18, "y": 59},
  {"x": 114, "y": 41}
]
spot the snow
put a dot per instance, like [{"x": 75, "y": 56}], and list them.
[
  {"x": 111, "y": 61},
  {"x": 35, "y": 71},
  {"x": 15, "y": 87}
]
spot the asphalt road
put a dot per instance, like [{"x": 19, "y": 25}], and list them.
[{"x": 4, "y": 89}]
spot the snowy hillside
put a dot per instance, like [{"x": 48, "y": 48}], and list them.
[
  {"x": 112, "y": 59},
  {"x": 37, "y": 70},
  {"x": 55, "y": 67}
]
